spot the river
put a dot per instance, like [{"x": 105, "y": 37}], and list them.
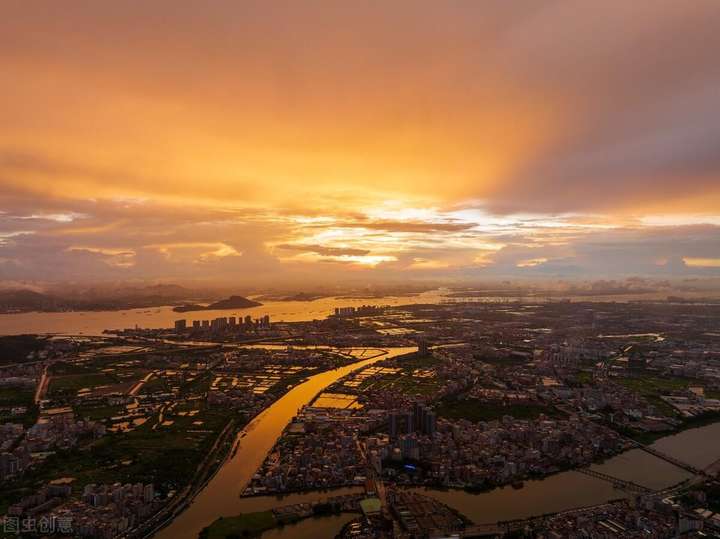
[
  {"x": 94, "y": 322},
  {"x": 698, "y": 447},
  {"x": 221, "y": 496},
  {"x": 567, "y": 490}
]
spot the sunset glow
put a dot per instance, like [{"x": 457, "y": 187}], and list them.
[{"x": 185, "y": 140}]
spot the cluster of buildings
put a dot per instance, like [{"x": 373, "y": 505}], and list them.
[
  {"x": 312, "y": 455},
  {"x": 55, "y": 429},
  {"x": 14, "y": 462},
  {"x": 423, "y": 516},
  {"x": 479, "y": 455},
  {"x": 406, "y": 514},
  {"x": 220, "y": 329},
  {"x": 105, "y": 511},
  {"x": 420, "y": 419},
  {"x": 58, "y": 428},
  {"x": 363, "y": 310},
  {"x": 692, "y": 402},
  {"x": 42, "y": 501},
  {"x": 224, "y": 324},
  {"x": 414, "y": 447},
  {"x": 10, "y": 433},
  {"x": 102, "y": 511},
  {"x": 646, "y": 516}
]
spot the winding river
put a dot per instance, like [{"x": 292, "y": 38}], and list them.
[{"x": 221, "y": 496}]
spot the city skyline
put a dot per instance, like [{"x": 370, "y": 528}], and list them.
[{"x": 302, "y": 142}]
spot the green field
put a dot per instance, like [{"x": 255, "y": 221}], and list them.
[
  {"x": 475, "y": 410},
  {"x": 502, "y": 361},
  {"x": 416, "y": 360},
  {"x": 15, "y": 348},
  {"x": 99, "y": 412},
  {"x": 167, "y": 456},
  {"x": 247, "y": 525},
  {"x": 405, "y": 381},
  {"x": 156, "y": 384},
  {"x": 71, "y": 384},
  {"x": 652, "y": 387},
  {"x": 20, "y": 396},
  {"x": 412, "y": 385},
  {"x": 63, "y": 367},
  {"x": 14, "y": 396}
]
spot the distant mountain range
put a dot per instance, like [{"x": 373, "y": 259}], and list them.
[
  {"x": 300, "y": 296},
  {"x": 113, "y": 298},
  {"x": 233, "y": 302},
  {"x": 28, "y": 300}
]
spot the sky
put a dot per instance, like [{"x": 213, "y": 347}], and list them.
[{"x": 257, "y": 141}]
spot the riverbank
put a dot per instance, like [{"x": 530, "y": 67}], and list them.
[
  {"x": 221, "y": 496},
  {"x": 570, "y": 490},
  {"x": 696, "y": 422},
  {"x": 223, "y": 450},
  {"x": 253, "y": 524}
]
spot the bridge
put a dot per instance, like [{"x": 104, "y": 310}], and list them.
[
  {"x": 616, "y": 481},
  {"x": 713, "y": 468},
  {"x": 672, "y": 460}
]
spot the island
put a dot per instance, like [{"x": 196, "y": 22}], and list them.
[{"x": 233, "y": 302}]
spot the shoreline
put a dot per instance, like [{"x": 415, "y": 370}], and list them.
[{"x": 536, "y": 480}]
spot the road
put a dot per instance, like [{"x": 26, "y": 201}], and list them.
[{"x": 42, "y": 386}]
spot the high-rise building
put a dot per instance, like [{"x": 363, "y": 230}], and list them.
[
  {"x": 409, "y": 423},
  {"x": 180, "y": 325},
  {"x": 430, "y": 425},
  {"x": 394, "y": 420},
  {"x": 148, "y": 493},
  {"x": 409, "y": 447},
  {"x": 196, "y": 324},
  {"x": 418, "y": 416}
]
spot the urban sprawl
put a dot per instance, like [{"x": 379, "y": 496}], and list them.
[{"x": 112, "y": 436}]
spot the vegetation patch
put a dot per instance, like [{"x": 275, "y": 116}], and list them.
[
  {"x": 416, "y": 360},
  {"x": 476, "y": 410},
  {"x": 16, "y": 396},
  {"x": 651, "y": 388},
  {"x": 100, "y": 412},
  {"x": 71, "y": 384},
  {"x": 246, "y": 525},
  {"x": 654, "y": 385},
  {"x": 16, "y": 348}
]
